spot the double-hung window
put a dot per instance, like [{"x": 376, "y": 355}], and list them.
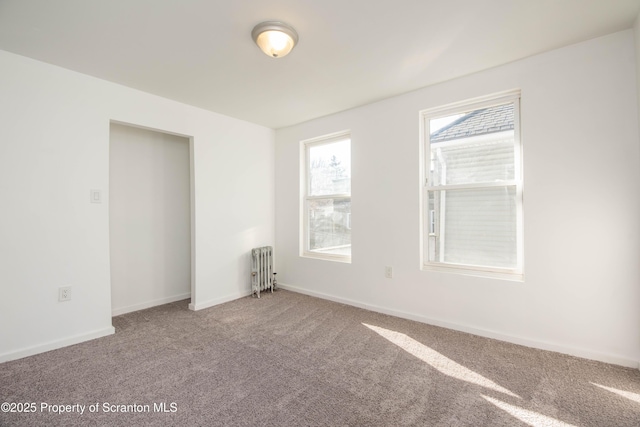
[
  {"x": 326, "y": 210},
  {"x": 472, "y": 194}
]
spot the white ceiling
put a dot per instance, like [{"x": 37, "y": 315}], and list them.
[{"x": 351, "y": 52}]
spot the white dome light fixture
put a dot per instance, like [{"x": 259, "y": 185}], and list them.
[{"x": 275, "y": 38}]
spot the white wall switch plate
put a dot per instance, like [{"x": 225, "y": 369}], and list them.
[
  {"x": 96, "y": 196},
  {"x": 388, "y": 272}
]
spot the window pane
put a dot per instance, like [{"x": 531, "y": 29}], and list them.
[
  {"x": 474, "y": 227},
  {"x": 330, "y": 168},
  {"x": 330, "y": 226},
  {"x": 475, "y": 147}
]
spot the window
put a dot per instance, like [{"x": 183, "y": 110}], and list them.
[
  {"x": 472, "y": 198},
  {"x": 326, "y": 224}
]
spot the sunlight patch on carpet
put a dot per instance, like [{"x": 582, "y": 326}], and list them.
[
  {"x": 530, "y": 417},
  {"x": 628, "y": 394},
  {"x": 442, "y": 363}
]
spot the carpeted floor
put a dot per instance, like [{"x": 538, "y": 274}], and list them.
[{"x": 293, "y": 360}]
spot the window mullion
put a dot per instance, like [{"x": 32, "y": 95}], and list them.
[
  {"x": 472, "y": 186},
  {"x": 329, "y": 196}
]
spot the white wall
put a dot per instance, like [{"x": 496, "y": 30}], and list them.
[
  {"x": 581, "y": 197},
  {"x": 54, "y": 148},
  {"x": 149, "y": 218},
  {"x": 636, "y": 30}
]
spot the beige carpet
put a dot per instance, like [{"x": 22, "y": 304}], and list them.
[{"x": 293, "y": 360}]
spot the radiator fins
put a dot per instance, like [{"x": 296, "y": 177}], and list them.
[{"x": 263, "y": 277}]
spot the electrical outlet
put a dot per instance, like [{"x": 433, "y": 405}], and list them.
[
  {"x": 64, "y": 294},
  {"x": 388, "y": 272}
]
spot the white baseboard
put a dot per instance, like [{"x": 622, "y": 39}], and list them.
[
  {"x": 53, "y": 345},
  {"x": 542, "y": 345},
  {"x": 149, "y": 304},
  {"x": 217, "y": 301}
]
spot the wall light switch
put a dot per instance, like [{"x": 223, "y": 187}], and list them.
[
  {"x": 388, "y": 272},
  {"x": 96, "y": 196}
]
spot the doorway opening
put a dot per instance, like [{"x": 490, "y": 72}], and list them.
[{"x": 150, "y": 217}]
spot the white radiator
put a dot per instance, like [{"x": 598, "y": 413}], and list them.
[{"x": 262, "y": 275}]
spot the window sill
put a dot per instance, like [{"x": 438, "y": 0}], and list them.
[
  {"x": 508, "y": 275},
  {"x": 327, "y": 257}
]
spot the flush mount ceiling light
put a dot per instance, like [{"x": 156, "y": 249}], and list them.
[{"x": 275, "y": 38}]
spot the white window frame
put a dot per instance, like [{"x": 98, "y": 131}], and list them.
[
  {"x": 426, "y": 224},
  {"x": 305, "y": 197}
]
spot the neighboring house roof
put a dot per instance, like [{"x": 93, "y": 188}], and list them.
[{"x": 478, "y": 122}]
